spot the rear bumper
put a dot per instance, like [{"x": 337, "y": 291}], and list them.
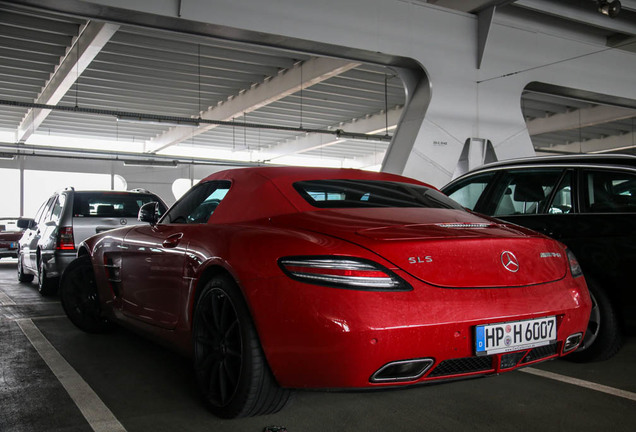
[
  {"x": 55, "y": 262},
  {"x": 318, "y": 337}
]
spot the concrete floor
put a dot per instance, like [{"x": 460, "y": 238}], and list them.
[{"x": 148, "y": 388}]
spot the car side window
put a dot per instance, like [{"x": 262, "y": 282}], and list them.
[
  {"x": 198, "y": 204},
  {"x": 562, "y": 201},
  {"x": 57, "y": 207},
  {"x": 467, "y": 193},
  {"x": 609, "y": 191},
  {"x": 45, "y": 211},
  {"x": 526, "y": 191},
  {"x": 38, "y": 214}
]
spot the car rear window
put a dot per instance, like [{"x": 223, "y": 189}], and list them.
[
  {"x": 371, "y": 193},
  {"x": 111, "y": 204}
]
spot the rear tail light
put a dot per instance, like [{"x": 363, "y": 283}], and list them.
[
  {"x": 65, "y": 239},
  {"x": 342, "y": 272},
  {"x": 575, "y": 267}
]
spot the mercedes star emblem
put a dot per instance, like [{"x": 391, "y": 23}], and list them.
[{"x": 509, "y": 261}]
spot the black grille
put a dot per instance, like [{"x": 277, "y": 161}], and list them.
[
  {"x": 462, "y": 366},
  {"x": 541, "y": 352},
  {"x": 511, "y": 360}
]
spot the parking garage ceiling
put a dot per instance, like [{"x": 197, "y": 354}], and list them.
[{"x": 155, "y": 92}]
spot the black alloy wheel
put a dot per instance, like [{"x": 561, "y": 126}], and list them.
[
  {"x": 79, "y": 297},
  {"x": 230, "y": 367}
]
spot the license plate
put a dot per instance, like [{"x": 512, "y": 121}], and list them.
[{"x": 514, "y": 336}]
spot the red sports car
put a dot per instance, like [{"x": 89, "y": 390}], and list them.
[{"x": 280, "y": 278}]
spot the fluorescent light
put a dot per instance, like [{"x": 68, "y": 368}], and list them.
[
  {"x": 151, "y": 163},
  {"x": 156, "y": 121}
]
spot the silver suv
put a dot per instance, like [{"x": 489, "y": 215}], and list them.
[{"x": 66, "y": 219}]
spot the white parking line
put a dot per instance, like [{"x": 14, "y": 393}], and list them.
[
  {"x": 581, "y": 383},
  {"x": 5, "y": 300},
  {"x": 98, "y": 416}
]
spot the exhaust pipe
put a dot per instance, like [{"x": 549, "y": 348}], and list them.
[{"x": 402, "y": 370}]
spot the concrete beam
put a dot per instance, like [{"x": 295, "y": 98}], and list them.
[
  {"x": 573, "y": 13},
  {"x": 579, "y": 119},
  {"x": 484, "y": 22},
  {"x": 601, "y": 145},
  {"x": 373, "y": 124},
  {"x": 312, "y": 72},
  {"x": 84, "y": 49}
]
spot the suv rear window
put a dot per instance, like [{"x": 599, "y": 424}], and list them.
[
  {"x": 371, "y": 193},
  {"x": 111, "y": 204}
]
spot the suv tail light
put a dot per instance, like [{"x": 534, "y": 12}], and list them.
[
  {"x": 342, "y": 272},
  {"x": 575, "y": 267},
  {"x": 65, "y": 239}
]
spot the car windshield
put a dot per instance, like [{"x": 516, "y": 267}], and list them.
[
  {"x": 111, "y": 204},
  {"x": 371, "y": 193}
]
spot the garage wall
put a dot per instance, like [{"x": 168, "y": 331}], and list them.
[{"x": 156, "y": 179}]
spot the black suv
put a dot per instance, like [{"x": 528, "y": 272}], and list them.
[
  {"x": 66, "y": 219},
  {"x": 587, "y": 202}
]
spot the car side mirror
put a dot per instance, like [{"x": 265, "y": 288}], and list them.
[
  {"x": 149, "y": 213},
  {"x": 26, "y": 223}
]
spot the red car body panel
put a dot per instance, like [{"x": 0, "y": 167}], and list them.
[{"x": 317, "y": 336}]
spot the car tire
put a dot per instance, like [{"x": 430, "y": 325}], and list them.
[
  {"x": 229, "y": 363},
  {"x": 79, "y": 297},
  {"x": 46, "y": 286},
  {"x": 603, "y": 337},
  {"x": 22, "y": 276}
]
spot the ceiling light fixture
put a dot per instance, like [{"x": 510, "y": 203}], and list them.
[
  {"x": 189, "y": 121},
  {"x": 151, "y": 163},
  {"x": 156, "y": 121},
  {"x": 611, "y": 8}
]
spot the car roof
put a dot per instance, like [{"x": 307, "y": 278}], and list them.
[
  {"x": 295, "y": 173},
  {"x": 260, "y": 192},
  {"x": 111, "y": 192},
  {"x": 596, "y": 160},
  {"x": 579, "y": 159}
]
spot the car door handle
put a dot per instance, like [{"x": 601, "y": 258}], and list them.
[{"x": 172, "y": 241}]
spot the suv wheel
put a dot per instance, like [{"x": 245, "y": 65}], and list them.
[
  {"x": 46, "y": 286},
  {"x": 23, "y": 277},
  {"x": 603, "y": 337}
]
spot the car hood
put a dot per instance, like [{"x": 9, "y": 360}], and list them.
[{"x": 448, "y": 248}]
